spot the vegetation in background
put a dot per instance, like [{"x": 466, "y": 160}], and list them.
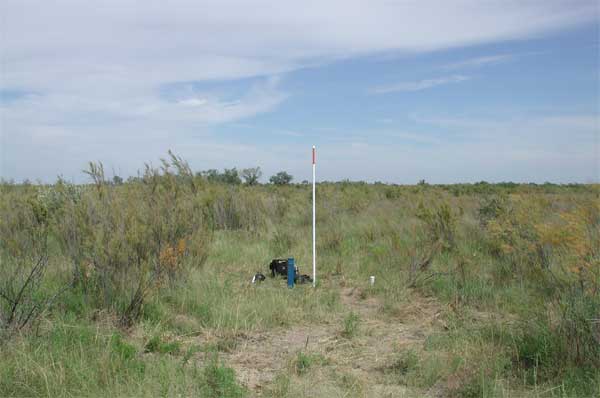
[
  {"x": 251, "y": 175},
  {"x": 281, "y": 178}
]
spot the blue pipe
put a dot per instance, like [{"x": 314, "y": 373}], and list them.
[{"x": 291, "y": 272}]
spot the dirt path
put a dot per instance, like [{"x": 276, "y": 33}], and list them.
[{"x": 258, "y": 358}]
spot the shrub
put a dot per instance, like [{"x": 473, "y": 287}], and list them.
[
  {"x": 127, "y": 241},
  {"x": 440, "y": 224},
  {"x": 24, "y": 261},
  {"x": 491, "y": 208}
]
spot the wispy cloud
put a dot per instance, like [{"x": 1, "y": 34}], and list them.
[
  {"x": 479, "y": 62},
  {"x": 418, "y": 85}
]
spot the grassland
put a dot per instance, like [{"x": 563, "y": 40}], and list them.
[{"x": 143, "y": 289}]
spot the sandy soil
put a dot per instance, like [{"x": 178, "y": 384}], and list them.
[{"x": 258, "y": 358}]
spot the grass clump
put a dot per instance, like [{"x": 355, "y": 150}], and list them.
[
  {"x": 121, "y": 348},
  {"x": 350, "y": 325},
  {"x": 407, "y": 361},
  {"x": 219, "y": 381},
  {"x": 157, "y": 345},
  {"x": 305, "y": 361}
]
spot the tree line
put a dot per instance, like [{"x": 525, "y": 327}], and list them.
[{"x": 249, "y": 176}]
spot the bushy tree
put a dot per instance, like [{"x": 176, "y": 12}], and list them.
[
  {"x": 231, "y": 176},
  {"x": 211, "y": 175},
  {"x": 251, "y": 175},
  {"x": 281, "y": 178}
]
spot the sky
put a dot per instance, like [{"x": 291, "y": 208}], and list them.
[{"x": 392, "y": 91}]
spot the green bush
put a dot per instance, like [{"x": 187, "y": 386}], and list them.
[
  {"x": 24, "y": 293},
  {"x": 127, "y": 241}
]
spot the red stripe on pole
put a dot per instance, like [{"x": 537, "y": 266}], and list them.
[{"x": 314, "y": 155}]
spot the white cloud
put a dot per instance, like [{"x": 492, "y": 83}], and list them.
[
  {"x": 119, "y": 45},
  {"x": 96, "y": 67},
  {"x": 418, "y": 85}
]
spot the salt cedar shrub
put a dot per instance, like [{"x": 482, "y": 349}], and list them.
[
  {"x": 555, "y": 249},
  {"x": 127, "y": 241},
  {"x": 23, "y": 262}
]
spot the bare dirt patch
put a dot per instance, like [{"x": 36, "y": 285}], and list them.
[
  {"x": 259, "y": 357},
  {"x": 383, "y": 336}
]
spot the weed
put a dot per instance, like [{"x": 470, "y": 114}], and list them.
[
  {"x": 157, "y": 345},
  {"x": 219, "y": 381},
  {"x": 351, "y": 325},
  {"x": 121, "y": 348},
  {"x": 304, "y": 362},
  {"x": 407, "y": 361}
]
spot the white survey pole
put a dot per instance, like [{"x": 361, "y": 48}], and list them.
[{"x": 314, "y": 219}]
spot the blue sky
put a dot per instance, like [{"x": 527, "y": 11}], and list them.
[{"x": 448, "y": 92}]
